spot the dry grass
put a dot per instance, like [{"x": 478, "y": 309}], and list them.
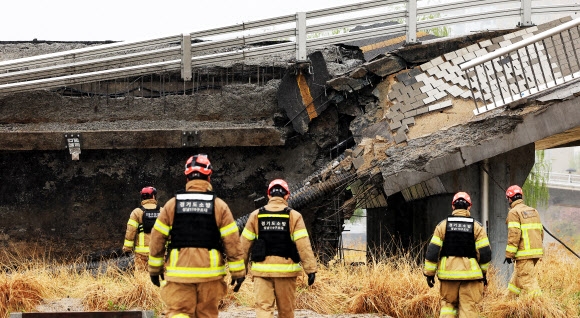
[{"x": 392, "y": 286}]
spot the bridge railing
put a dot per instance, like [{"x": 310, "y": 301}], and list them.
[
  {"x": 288, "y": 34},
  {"x": 526, "y": 67},
  {"x": 563, "y": 179}
]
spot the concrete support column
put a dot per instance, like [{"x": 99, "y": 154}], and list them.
[{"x": 409, "y": 224}]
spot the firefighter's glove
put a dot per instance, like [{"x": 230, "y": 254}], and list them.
[
  {"x": 507, "y": 260},
  {"x": 155, "y": 280},
  {"x": 311, "y": 278},
  {"x": 431, "y": 281},
  {"x": 484, "y": 279},
  {"x": 238, "y": 282}
]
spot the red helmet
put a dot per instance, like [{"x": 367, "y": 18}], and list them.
[
  {"x": 461, "y": 195},
  {"x": 148, "y": 192},
  {"x": 280, "y": 183},
  {"x": 198, "y": 163},
  {"x": 513, "y": 190}
]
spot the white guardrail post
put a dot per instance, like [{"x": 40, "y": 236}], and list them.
[
  {"x": 411, "y": 22},
  {"x": 300, "y": 36},
  {"x": 186, "y": 57},
  {"x": 526, "y": 13}
]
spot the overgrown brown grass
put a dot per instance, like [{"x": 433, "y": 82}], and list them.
[{"x": 393, "y": 286}]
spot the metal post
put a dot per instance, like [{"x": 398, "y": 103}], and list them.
[
  {"x": 186, "y": 57},
  {"x": 485, "y": 195},
  {"x": 301, "y": 36},
  {"x": 411, "y": 17},
  {"x": 526, "y": 14}
]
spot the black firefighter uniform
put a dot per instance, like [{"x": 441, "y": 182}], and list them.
[
  {"x": 200, "y": 228},
  {"x": 288, "y": 253},
  {"x": 524, "y": 244},
  {"x": 139, "y": 226},
  {"x": 460, "y": 254}
]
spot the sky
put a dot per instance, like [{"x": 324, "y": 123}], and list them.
[{"x": 128, "y": 20}]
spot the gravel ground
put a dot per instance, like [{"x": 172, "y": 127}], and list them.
[{"x": 74, "y": 304}]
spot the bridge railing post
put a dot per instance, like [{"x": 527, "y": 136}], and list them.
[
  {"x": 411, "y": 17},
  {"x": 526, "y": 13},
  {"x": 300, "y": 36},
  {"x": 186, "y": 57}
]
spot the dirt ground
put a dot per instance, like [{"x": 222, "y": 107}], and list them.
[{"x": 75, "y": 304}]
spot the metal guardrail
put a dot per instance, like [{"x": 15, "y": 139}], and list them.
[
  {"x": 563, "y": 179},
  {"x": 524, "y": 68},
  {"x": 302, "y": 30}
]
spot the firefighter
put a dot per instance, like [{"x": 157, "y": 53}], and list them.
[
  {"x": 276, "y": 241},
  {"x": 524, "y": 243},
  {"x": 200, "y": 229},
  {"x": 139, "y": 226},
  {"x": 460, "y": 254}
]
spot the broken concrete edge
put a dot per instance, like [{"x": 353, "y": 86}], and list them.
[
  {"x": 528, "y": 128},
  {"x": 125, "y": 139}
]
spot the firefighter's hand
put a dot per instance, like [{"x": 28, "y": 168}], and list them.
[
  {"x": 431, "y": 281},
  {"x": 507, "y": 260},
  {"x": 484, "y": 279},
  {"x": 311, "y": 278},
  {"x": 155, "y": 280},
  {"x": 238, "y": 282}
]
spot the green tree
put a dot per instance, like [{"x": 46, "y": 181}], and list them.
[
  {"x": 536, "y": 185},
  {"x": 357, "y": 216}
]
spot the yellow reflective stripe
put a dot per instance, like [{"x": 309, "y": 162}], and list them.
[
  {"x": 430, "y": 266},
  {"x": 236, "y": 266},
  {"x": 532, "y": 226},
  {"x": 214, "y": 258},
  {"x": 142, "y": 249},
  {"x": 535, "y": 251},
  {"x": 249, "y": 234},
  {"x": 511, "y": 249},
  {"x": 202, "y": 272},
  {"x": 284, "y": 216},
  {"x": 229, "y": 229},
  {"x": 437, "y": 241},
  {"x": 526, "y": 235},
  {"x": 162, "y": 228},
  {"x": 173, "y": 256},
  {"x": 473, "y": 273},
  {"x": 299, "y": 234},
  {"x": 484, "y": 266},
  {"x": 514, "y": 225},
  {"x": 155, "y": 261},
  {"x": 141, "y": 239},
  {"x": 512, "y": 288},
  {"x": 133, "y": 223},
  {"x": 181, "y": 316},
  {"x": 482, "y": 243},
  {"x": 445, "y": 311},
  {"x": 278, "y": 268},
  {"x": 129, "y": 243}
]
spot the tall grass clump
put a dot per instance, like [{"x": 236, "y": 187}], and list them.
[
  {"x": 19, "y": 292},
  {"x": 390, "y": 284}
]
